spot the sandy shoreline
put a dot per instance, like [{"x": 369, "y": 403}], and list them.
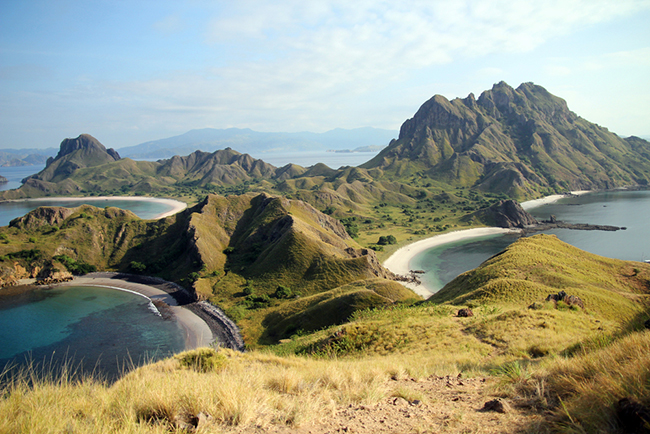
[
  {"x": 176, "y": 205},
  {"x": 530, "y": 204},
  {"x": 196, "y": 331},
  {"x": 399, "y": 261}
]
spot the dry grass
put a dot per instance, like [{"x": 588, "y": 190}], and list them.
[{"x": 252, "y": 389}]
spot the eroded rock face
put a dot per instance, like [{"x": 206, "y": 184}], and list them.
[
  {"x": 505, "y": 214},
  {"x": 52, "y": 216}
]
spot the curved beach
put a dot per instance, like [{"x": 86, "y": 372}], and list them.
[
  {"x": 176, "y": 205},
  {"x": 196, "y": 331},
  {"x": 399, "y": 261}
]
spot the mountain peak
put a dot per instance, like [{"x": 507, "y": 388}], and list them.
[
  {"x": 519, "y": 141},
  {"x": 74, "y": 154},
  {"x": 84, "y": 142}
]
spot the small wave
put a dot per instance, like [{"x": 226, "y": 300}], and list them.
[{"x": 154, "y": 309}]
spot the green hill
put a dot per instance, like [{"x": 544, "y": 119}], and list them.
[{"x": 555, "y": 368}]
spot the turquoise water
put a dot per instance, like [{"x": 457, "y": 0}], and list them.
[
  {"x": 101, "y": 329},
  {"x": 628, "y": 209},
  {"x": 143, "y": 209}
]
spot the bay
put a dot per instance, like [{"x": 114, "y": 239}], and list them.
[
  {"x": 144, "y": 209},
  {"x": 90, "y": 328},
  {"x": 628, "y": 209}
]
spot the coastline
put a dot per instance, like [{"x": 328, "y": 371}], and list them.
[
  {"x": 399, "y": 261},
  {"x": 196, "y": 331},
  {"x": 177, "y": 205},
  {"x": 530, "y": 204}
]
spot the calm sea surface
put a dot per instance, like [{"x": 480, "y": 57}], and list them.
[
  {"x": 11, "y": 210},
  {"x": 99, "y": 328},
  {"x": 621, "y": 208}
]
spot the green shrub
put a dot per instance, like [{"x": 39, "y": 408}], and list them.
[
  {"x": 202, "y": 360},
  {"x": 283, "y": 292},
  {"x": 75, "y": 267},
  {"x": 137, "y": 267},
  {"x": 386, "y": 239}
]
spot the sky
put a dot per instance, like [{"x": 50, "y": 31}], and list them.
[{"x": 128, "y": 72}]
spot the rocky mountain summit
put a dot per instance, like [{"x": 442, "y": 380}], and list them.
[
  {"x": 74, "y": 154},
  {"x": 522, "y": 141}
]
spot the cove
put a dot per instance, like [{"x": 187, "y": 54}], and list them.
[
  {"x": 629, "y": 209},
  {"x": 145, "y": 208},
  {"x": 93, "y": 329}
]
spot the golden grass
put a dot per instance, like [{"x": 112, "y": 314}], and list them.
[{"x": 252, "y": 389}]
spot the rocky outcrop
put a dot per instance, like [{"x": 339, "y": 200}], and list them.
[
  {"x": 569, "y": 300},
  {"x": 504, "y": 214},
  {"x": 41, "y": 216}
]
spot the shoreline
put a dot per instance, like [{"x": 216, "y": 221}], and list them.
[
  {"x": 399, "y": 261},
  {"x": 177, "y": 205},
  {"x": 534, "y": 203},
  {"x": 197, "y": 332}
]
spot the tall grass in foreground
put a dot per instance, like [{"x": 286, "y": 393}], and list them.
[
  {"x": 583, "y": 390},
  {"x": 251, "y": 389}
]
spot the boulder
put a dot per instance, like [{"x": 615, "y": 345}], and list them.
[{"x": 464, "y": 313}]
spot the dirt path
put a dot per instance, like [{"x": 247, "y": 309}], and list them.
[{"x": 432, "y": 405}]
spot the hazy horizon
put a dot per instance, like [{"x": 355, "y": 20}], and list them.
[{"x": 129, "y": 73}]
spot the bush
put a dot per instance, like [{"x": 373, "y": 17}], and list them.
[
  {"x": 283, "y": 292},
  {"x": 202, "y": 360},
  {"x": 75, "y": 267},
  {"x": 387, "y": 239},
  {"x": 137, "y": 267}
]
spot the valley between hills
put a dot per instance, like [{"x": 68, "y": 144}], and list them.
[{"x": 335, "y": 343}]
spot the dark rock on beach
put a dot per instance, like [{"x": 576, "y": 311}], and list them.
[{"x": 504, "y": 214}]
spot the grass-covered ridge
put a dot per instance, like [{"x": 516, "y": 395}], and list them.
[
  {"x": 560, "y": 369},
  {"x": 235, "y": 251},
  {"x": 534, "y": 267}
]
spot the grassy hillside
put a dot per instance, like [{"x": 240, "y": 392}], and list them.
[
  {"x": 556, "y": 368},
  {"x": 236, "y": 251}
]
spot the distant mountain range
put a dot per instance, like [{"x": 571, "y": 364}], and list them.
[
  {"x": 521, "y": 143},
  {"x": 249, "y": 141},
  {"x": 25, "y": 157}
]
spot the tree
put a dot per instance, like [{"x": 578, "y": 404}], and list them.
[
  {"x": 137, "y": 267},
  {"x": 387, "y": 239},
  {"x": 283, "y": 292}
]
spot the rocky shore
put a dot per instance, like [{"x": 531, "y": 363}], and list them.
[{"x": 223, "y": 328}]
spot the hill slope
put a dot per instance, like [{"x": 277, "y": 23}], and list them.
[
  {"x": 517, "y": 141},
  {"x": 236, "y": 251},
  {"x": 399, "y": 369}
]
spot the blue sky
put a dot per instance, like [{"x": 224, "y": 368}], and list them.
[{"x": 128, "y": 72}]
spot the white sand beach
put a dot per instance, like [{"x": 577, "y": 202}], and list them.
[
  {"x": 197, "y": 332},
  {"x": 177, "y": 205},
  {"x": 530, "y": 204},
  {"x": 399, "y": 261}
]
